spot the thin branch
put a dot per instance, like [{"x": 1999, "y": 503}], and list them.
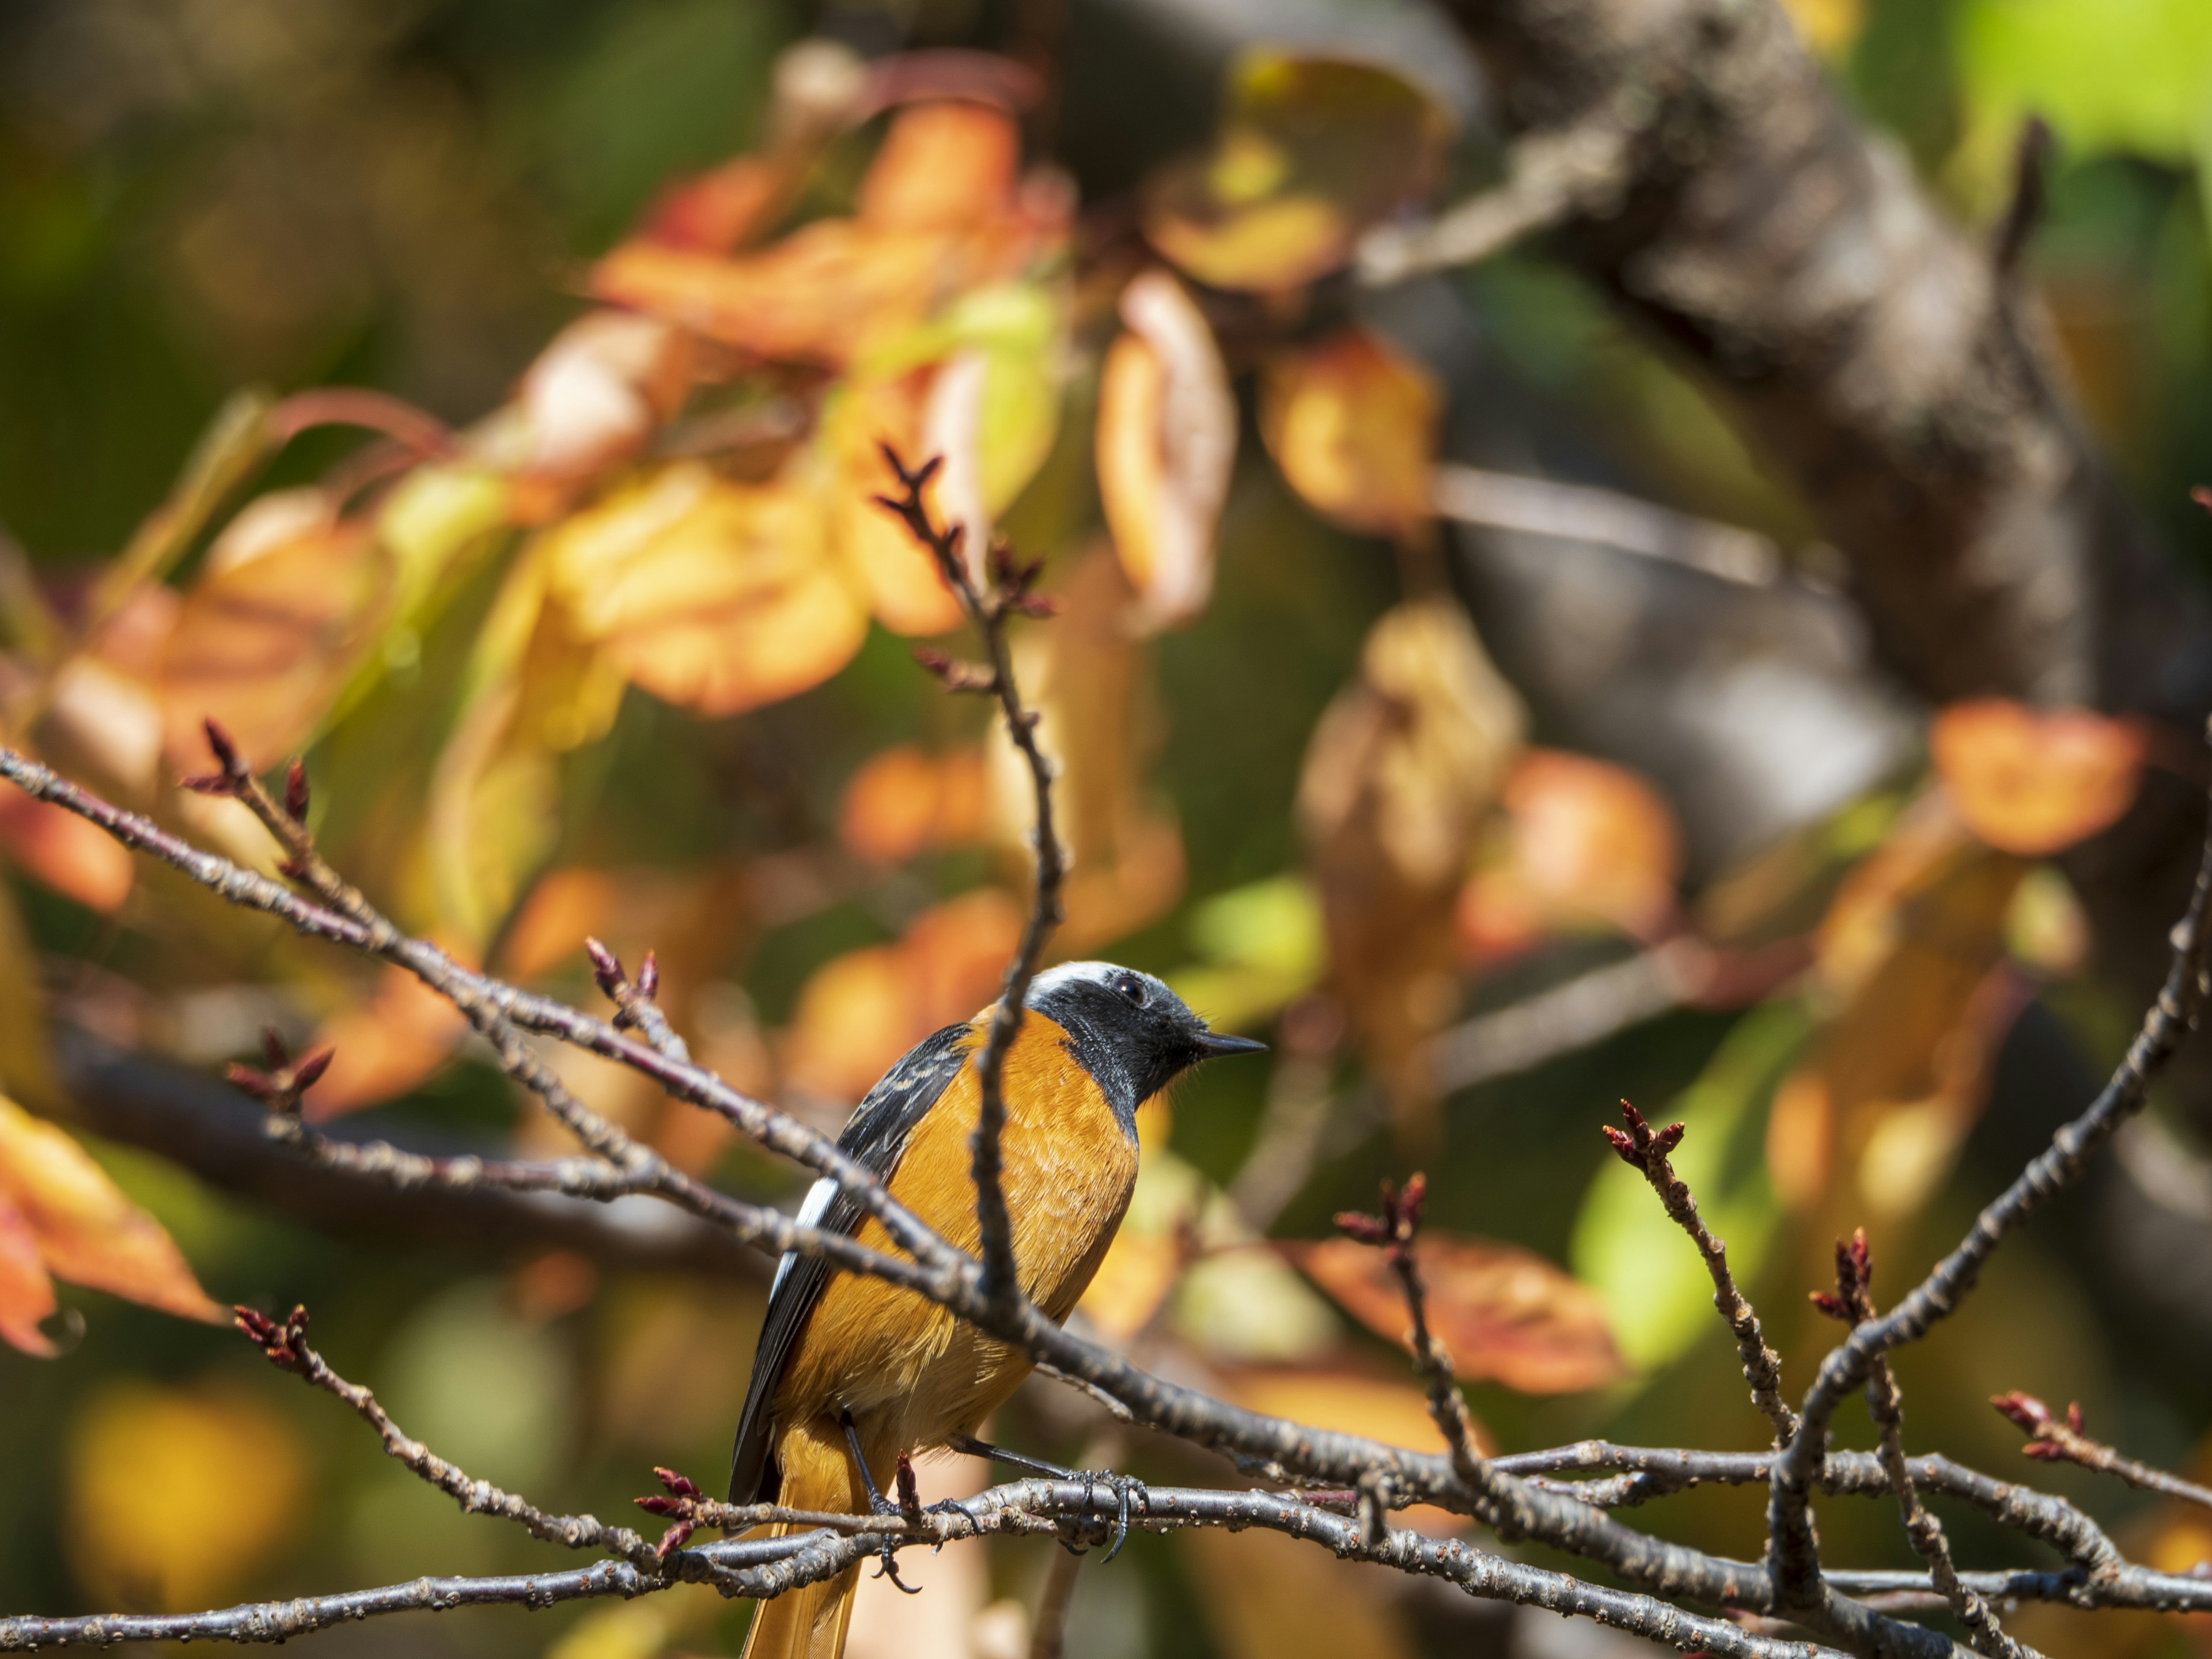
[
  {"x": 284, "y": 1343},
  {"x": 1854, "y": 1302},
  {"x": 1009, "y": 596},
  {"x": 1792, "y": 1549},
  {"x": 1645, "y": 1152},
  {"x": 1551, "y": 176},
  {"x": 636, "y": 1001},
  {"x": 1587, "y": 1010},
  {"x": 1585, "y": 512},
  {"x": 2054, "y": 1439}
]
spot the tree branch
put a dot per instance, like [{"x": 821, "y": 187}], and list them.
[
  {"x": 1646, "y": 1152},
  {"x": 2055, "y": 1439}
]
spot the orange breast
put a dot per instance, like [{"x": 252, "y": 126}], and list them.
[{"x": 887, "y": 1355}]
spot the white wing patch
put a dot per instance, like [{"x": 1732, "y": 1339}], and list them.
[{"x": 811, "y": 1212}]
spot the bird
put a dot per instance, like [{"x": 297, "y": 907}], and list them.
[{"x": 852, "y": 1371}]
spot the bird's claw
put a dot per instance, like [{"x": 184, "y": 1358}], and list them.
[
  {"x": 1124, "y": 1488},
  {"x": 887, "y": 1567}
]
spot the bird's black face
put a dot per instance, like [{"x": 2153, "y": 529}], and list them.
[{"x": 1127, "y": 1029}]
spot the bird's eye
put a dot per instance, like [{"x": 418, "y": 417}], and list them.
[{"x": 1130, "y": 989}]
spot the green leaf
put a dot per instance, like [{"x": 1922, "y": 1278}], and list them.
[
  {"x": 1652, "y": 1278},
  {"x": 2108, "y": 75}
]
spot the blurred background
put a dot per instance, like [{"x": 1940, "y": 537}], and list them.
[{"x": 1442, "y": 691}]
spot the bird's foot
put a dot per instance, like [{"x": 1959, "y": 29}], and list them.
[
  {"x": 1126, "y": 1490},
  {"x": 908, "y": 1507}
]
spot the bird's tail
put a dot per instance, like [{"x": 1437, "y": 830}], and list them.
[{"x": 818, "y": 1473}]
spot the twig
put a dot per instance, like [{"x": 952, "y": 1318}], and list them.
[
  {"x": 1645, "y": 1152},
  {"x": 1010, "y": 595},
  {"x": 1550, "y": 176},
  {"x": 1393, "y": 1231},
  {"x": 1792, "y": 1549},
  {"x": 284, "y": 1343},
  {"x": 2054, "y": 1439},
  {"x": 1584, "y": 512},
  {"x": 636, "y": 1001},
  {"x": 1853, "y": 1302}
]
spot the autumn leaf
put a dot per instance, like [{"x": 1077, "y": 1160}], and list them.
[
  {"x": 1912, "y": 951},
  {"x": 1503, "y": 1314},
  {"x": 223, "y": 1470},
  {"x": 1397, "y": 776},
  {"x": 2034, "y": 781},
  {"x": 903, "y": 800},
  {"x": 1087, "y": 675},
  {"x": 1352, "y": 424},
  {"x": 1312, "y": 150},
  {"x": 597, "y": 392},
  {"x": 1166, "y": 446},
  {"x": 27, "y": 1291},
  {"x": 860, "y": 1012},
  {"x": 714, "y": 595},
  {"x": 77, "y": 859},
  {"x": 1581, "y": 842},
  {"x": 938, "y": 216},
  {"x": 288, "y": 600},
  {"x": 87, "y": 1232},
  {"x": 382, "y": 1047}
]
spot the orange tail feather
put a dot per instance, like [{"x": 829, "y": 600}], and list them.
[{"x": 809, "y": 1622}]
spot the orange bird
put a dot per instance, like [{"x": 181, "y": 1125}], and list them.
[{"x": 852, "y": 1371}]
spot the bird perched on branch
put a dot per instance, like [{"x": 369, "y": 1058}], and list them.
[{"x": 852, "y": 1371}]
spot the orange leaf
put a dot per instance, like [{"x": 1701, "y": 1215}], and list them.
[
  {"x": 908, "y": 592},
  {"x": 942, "y": 166},
  {"x": 1166, "y": 445},
  {"x": 87, "y": 1232},
  {"x": 75, "y": 858},
  {"x": 2032, "y": 782},
  {"x": 286, "y": 603},
  {"x": 957, "y": 953},
  {"x": 1501, "y": 1313},
  {"x": 937, "y": 218},
  {"x": 27, "y": 1294},
  {"x": 1592, "y": 840},
  {"x": 710, "y": 594},
  {"x": 719, "y": 209},
  {"x": 384, "y": 1046},
  {"x": 1352, "y": 423},
  {"x": 903, "y": 800},
  {"x": 856, "y": 1015}
]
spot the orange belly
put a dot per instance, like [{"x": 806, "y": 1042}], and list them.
[{"x": 913, "y": 1375}]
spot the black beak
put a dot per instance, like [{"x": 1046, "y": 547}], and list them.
[{"x": 1211, "y": 1045}]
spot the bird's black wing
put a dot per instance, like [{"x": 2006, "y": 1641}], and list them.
[{"x": 874, "y": 1137}]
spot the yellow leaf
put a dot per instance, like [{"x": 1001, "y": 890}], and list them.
[
  {"x": 223, "y": 1473},
  {"x": 2033, "y": 781},
  {"x": 1352, "y": 423},
  {"x": 1166, "y": 446},
  {"x": 1312, "y": 150},
  {"x": 86, "y": 1231},
  {"x": 714, "y": 595}
]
